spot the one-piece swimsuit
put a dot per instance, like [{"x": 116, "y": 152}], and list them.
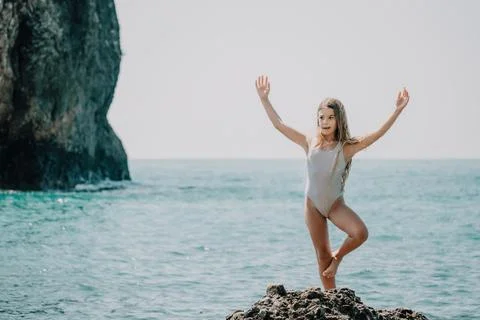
[{"x": 323, "y": 186}]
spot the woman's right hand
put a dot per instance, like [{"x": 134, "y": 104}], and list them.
[{"x": 263, "y": 87}]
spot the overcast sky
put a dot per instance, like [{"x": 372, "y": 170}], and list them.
[{"x": 187, "y": 81}]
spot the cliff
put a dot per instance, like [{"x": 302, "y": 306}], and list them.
[{"x": 59, "y": 64}]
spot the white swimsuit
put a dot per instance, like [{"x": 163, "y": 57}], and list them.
[{"x": 322, "y": 186}]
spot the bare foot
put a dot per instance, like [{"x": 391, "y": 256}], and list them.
[{"x": 332, "y": 268}]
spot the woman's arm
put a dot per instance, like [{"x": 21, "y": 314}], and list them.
[
  {"x": 351, "y": 149},
  {"x": 263, "y": 89}
]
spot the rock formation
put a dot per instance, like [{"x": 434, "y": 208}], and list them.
[
  {"x": 312, "y": 303},
  {"x": 59, "y": 64}
]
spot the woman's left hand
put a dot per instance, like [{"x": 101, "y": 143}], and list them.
[{"x": 402, "y": 99}]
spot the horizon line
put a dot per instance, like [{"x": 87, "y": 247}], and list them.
[{"x": 288, "y": 158}]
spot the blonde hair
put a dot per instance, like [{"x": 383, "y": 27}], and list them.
[{"x": 342, "y": 133}]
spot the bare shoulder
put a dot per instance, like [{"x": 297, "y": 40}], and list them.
[
  {"x": 351, "y": 148},
  {"x": 292, "y": 134}
]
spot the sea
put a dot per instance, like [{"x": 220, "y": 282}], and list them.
[{"x": 201, "y": 238}]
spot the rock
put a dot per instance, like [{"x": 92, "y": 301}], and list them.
[
  {"x": 273, "y": 290},
  {"x": 59, "y": 64},
  {"x": 312, "y": 303},
  {"x": 400, "y": 313},
  {"x": 236, "y": 315}
]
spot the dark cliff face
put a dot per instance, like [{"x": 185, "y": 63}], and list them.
[{"x": 59, "y": 64}]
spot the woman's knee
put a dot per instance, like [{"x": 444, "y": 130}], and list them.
[{"x": 361, "y": 234}]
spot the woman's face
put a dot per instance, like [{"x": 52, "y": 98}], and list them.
[{"x": 326, "y": 120}]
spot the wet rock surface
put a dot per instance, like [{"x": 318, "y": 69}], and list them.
[
  {"x": 59, "y": 64},
  {"x": 313, "y": 303}
]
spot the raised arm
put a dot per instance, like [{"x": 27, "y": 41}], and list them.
[
  {"x": 263, "y": 89},
  {"x": 351, "y": 149}
]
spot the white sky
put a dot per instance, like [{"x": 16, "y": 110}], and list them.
[{"x": 187, "y": 82}]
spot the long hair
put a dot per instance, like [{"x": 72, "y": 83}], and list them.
[{"x": 342, "y": 133}]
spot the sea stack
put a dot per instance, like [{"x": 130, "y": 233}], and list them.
[{"x": 59, "y": 64}]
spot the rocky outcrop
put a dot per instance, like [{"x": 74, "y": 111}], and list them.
[
  {"x": 312, "y": 303},
  {"x": 59, "y": 64}
]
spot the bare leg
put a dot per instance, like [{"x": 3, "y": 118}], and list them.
[
  {"x": 349, "y": 222},
  {"x": 317, "y": 226}
]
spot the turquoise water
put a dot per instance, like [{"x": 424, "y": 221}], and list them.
[{"x": 198, "y": 239}]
